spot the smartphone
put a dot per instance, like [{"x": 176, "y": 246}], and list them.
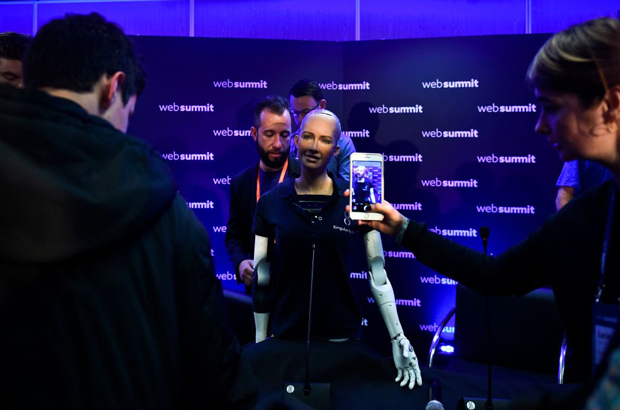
[{"x": 366, "y": 185}]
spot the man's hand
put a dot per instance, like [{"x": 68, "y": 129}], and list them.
[
  {"x": 406, "y": 362},
  {"x": 246, "y": 271},
  {"x": 392, "y": 219}
]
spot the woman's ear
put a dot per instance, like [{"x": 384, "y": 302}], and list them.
[{"x": 612, "y": 99}]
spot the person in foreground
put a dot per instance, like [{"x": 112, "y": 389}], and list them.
[
  {"x": 576, "y": 78},
  {"x": 313, "y": 242},
  {"x": 108, "y": 297},
  {"x": 12, "y": 49}
]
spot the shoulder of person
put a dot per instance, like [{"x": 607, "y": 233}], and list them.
[
  {"x": 280, "y": 191},
  {"x": 346, "y": 141},
  {"x": 592, "y": 204},
  {"x": 294, "y": 166},
  {"x": 248, "y": 173},
  {"x": 340, "y": 183}
]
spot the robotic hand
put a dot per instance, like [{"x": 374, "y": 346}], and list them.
[
  {"x": 405, "y": 359},
  {"x": 406, "y": 362}
]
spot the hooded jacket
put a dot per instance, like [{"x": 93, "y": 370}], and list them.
[{"x": 108, "y": 297}]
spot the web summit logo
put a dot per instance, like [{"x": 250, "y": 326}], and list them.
[
  {"x": 356, "y": 134},
  {"x": 403, "y": 158},
  {"x": 415, "y": 302},
  {"x": 437, "y": 133},
  {"x": 473, "y": 83},
  {"x": 507, "y": 108},
  {"x": 436, "y": 280},
  {"x": 415, "y": 109},
  {"x": 227, "y": 132},
  {"x": 174, "y": 107},
  {"x": 225, "y": 276},
  {"x": 364, "y": 85},
  {"x": 398, "y": 254},
  {"x": 494, "y": 159},
  {"x": 449, "y": 183},
  {"x": 240, "y": 84},
  {"x": 518, "y": 210},
  {"x": 433, "y": 328},
  {"x": 408, "y": 207},
  {"x": 200, "y": 205},
  {"x": 359, "y": 275},
  {"x": 459, "y": 233},
  {"x": 208, "y": 156}
]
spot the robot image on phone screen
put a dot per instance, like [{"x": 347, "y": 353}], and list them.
[{"x": 366, "y": 185}]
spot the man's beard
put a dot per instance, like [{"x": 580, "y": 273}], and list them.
[{"x": 264, "y": 156}]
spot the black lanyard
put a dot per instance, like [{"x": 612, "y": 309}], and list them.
[{"x": 608, "y": 227}]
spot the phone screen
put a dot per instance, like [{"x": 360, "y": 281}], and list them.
[{"x": 366, "y": 184}]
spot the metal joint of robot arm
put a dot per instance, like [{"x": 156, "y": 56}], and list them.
[
  {"x": 261, "y": 266},
  {"x": 262, "y": 276}
]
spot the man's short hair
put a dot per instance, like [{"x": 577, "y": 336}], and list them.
[
  {"x": 272, "y": 103},
  {"x": 74, "y": 52},
  {"x": 13, "y": 45},
  {"x": 307, "y": 87}
]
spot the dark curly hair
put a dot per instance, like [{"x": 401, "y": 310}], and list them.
[
  {"x": 13, "y": 45},
  {"x": 74, "y": 52}
]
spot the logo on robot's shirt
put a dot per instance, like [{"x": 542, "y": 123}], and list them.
[
  {"x": 343, "y": 229},
  {"x": 347, "y": 219}
]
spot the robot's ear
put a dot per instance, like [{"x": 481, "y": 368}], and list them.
[{"x": 336, "y": 151}]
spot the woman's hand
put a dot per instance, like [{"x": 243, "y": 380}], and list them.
[{"x": 392, "y": 219}]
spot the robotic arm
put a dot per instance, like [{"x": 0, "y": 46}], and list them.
[
  {"x": 260, "y": 294},
  {"x": 404, "y": 357}
]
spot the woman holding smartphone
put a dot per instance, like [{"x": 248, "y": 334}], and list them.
[
  {"x": 311, "y": 237},
  {"x": 576, "y": 78}
]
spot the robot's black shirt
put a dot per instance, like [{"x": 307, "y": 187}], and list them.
[
  {"x": 362, "y": 190},
  {"x": 332, "y": 236}
]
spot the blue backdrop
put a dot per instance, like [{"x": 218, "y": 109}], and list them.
[{"x": 452, "y": 116}]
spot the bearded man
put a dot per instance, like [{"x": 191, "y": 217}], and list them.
[{"x": 272, "y": 133}]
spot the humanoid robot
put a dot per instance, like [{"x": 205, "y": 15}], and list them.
[{"x": 405, "y": 359}]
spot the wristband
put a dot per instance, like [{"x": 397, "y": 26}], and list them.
[{"x": 401, "y": 233}]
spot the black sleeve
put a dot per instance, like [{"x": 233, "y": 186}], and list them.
[
  {"x": 519, "y": 270},
  {"x": 209, "y": 351},
  {"x": 261, "y": 226},
  {"x": 238, "y": 241}
]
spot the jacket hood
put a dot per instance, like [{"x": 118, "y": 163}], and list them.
[{"x": 71, "y": 183}]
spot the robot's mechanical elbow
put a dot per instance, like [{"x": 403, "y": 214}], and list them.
[
  {"x": 374, "y": 257},
  {"x": 262, "y": 274}
]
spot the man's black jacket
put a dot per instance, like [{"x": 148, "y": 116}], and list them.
[
  {"x": 239, "y": 238},
  {"x": 108, "y": 298}
]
